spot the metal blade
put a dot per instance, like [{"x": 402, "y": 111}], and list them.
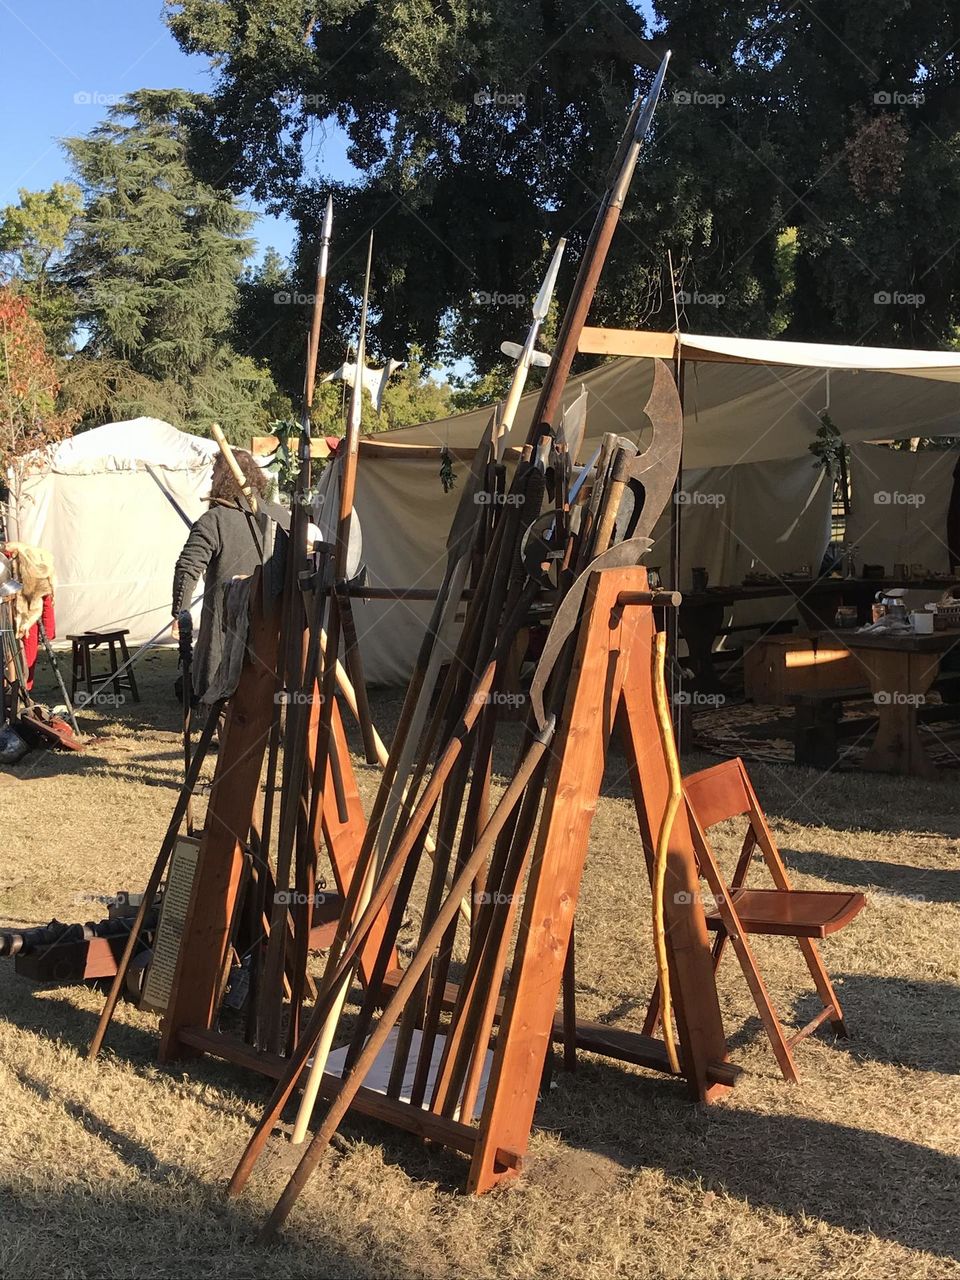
[
  {"x": 542, "y": 302},
  {"x": 567, "y": 616},
  {"x": 656, "y": 468}
]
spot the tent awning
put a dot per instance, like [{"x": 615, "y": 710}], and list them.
[
  {"x": 739, "y": 406},
  {"x": 942, "y": 365}
]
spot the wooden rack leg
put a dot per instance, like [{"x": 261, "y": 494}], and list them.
[
  {"x": 613, "y": 658},
  {"x": 206, "y": 933},
  {"x": 573, "y": 788}
]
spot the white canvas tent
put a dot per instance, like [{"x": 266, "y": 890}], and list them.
[
  {"x": 751, "y": 411},
  {"x": 114, "y": 536}
]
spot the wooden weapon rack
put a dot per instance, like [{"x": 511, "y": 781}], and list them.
[{"x": 453, "y": 1045}]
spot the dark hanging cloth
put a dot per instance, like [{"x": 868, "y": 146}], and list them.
[
  {"x": 222, "y": 544},
  {"x": 953, "y": 520}
]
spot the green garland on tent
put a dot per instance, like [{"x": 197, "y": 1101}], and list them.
[{"x": 447, "y": 475}]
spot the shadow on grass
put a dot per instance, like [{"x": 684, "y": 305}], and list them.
[
  {"x": 927, "y": 884},
  {"x": 898, "y": 1021},
  {"x": 849, "y": 1177}
]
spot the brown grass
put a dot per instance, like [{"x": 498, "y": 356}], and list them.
[{"x": 117, "y": 1170}]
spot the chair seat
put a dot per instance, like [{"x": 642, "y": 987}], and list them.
[{"x": 792, "y": 913}]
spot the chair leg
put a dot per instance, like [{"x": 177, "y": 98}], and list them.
[
  {"x": 768, "y": 1015},
  {"x": 778, "y": 872},
  {"x": 738, "y": 938},
  {"x": 114, "y": 665},
  {"x": 74, "y": 669},
  {"x": 88, "y": 672},
  {"x": 823, "y": 984},
  {"x": 130, "y": 678}
]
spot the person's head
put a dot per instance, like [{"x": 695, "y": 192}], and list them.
[{"x": 223, "y": 486}]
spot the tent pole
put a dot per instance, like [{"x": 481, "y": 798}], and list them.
[{"x": 672, "y": 619}]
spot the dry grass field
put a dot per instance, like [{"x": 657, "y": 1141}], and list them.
[{"x": 117, "y": 1170}]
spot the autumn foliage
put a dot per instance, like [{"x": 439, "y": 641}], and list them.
[{"x": 30, "y": 417}]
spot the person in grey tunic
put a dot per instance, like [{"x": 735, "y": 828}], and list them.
[{"x": 220, "y": 546}]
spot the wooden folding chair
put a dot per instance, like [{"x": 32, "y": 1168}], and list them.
[{"x": 724, "y": 791}]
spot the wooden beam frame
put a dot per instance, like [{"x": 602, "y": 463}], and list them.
[{"x": 651, "y": 345}]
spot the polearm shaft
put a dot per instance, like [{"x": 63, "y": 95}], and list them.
[
  {"x": 294, "y": 674},
  {"x": 348, "y": 480},
  {"x": 595, "y": 254},
  {"x": 313, "y": 343}
]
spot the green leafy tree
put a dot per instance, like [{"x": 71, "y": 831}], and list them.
[
  {"x": 155, "y": 267},
  {"x": 34, "y": 234},
  {"x": 482, "y": 133}
]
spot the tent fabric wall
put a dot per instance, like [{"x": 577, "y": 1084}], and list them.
[
  {"x": 767, "y": 517},
  {"x": 772, "y": 517},
  {"x": 113, "y": 535},
  {"x": 899, "y": 503},
  {"x": 737, "y": 413}
]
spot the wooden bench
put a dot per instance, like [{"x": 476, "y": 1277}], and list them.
[
  {"x": 730, "y": 658},
  {"x": 818, "y": 724}
]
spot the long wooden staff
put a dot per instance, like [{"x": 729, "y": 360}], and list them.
[
  {"x": 595, "y": 254},
  {"x": 459, "y": 552},
  {"x": 348, "y": 475},
  {"x": 297, "y": 673},
  {"x": 156, "y": 875},
  {"x": 409, "y": 982}
]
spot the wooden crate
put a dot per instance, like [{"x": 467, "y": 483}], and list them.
[{"x": 778, "y": 666}]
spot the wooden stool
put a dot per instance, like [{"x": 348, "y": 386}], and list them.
[
  {"x": 81, "y": 666},
  {"x": 712, "y": 796}
]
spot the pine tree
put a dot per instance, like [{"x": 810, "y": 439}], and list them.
[{"x": 155, "y": 268}]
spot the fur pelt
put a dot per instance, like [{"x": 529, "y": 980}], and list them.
[{"x": 33, "y": 567}]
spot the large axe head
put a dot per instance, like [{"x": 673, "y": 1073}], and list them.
[{"x": 651, "y": 475}]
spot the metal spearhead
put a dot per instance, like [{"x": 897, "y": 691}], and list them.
[
  {"x": 625, "y": 161},
  {"x": 356, "y": 399},
  {"x": 541, "y": 303}
]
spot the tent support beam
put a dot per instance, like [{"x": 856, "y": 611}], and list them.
[{"x": 651, "y": 345}]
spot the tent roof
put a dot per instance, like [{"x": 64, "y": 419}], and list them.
[
  {"x": 126, "y": 446},
  {"x": 940, "y": 365},
  {"x": 746, "y": 400}
]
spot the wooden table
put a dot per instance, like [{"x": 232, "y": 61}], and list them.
[
  {"x": 702, "y": 612},
  {"x": 900, "y": 670}
]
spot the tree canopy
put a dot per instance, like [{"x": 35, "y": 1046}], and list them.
[
  {"x": 34, "y": 235},
  {"x": 29, "y": 386},
  {"x": 802, "y": 169}
]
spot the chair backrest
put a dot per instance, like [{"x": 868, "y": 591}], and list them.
[{"x": 718, "y": 793}]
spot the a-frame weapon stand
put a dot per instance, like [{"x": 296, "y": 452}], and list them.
[{"x": 611, "y": 683}]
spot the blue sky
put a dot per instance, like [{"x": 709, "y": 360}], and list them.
[{"x": 64, "y": 61}]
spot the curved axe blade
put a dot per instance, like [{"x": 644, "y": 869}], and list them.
[
  {"x": 565, "y": 619},
  {"x": 656, "y": 471},
  {"x": 652, "y": 474}
]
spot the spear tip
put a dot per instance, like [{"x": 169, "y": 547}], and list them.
[{"x": 328, "y": 219}]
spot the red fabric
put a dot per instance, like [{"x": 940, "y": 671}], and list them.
[{"x": 31, "y": 641}]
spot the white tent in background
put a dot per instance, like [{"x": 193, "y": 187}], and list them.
[
  {"x": 97, "y": 503},
  {"x": 751, "y": 411}
]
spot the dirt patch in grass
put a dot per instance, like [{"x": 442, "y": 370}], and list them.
[{"x": 118, "y": 1169}]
